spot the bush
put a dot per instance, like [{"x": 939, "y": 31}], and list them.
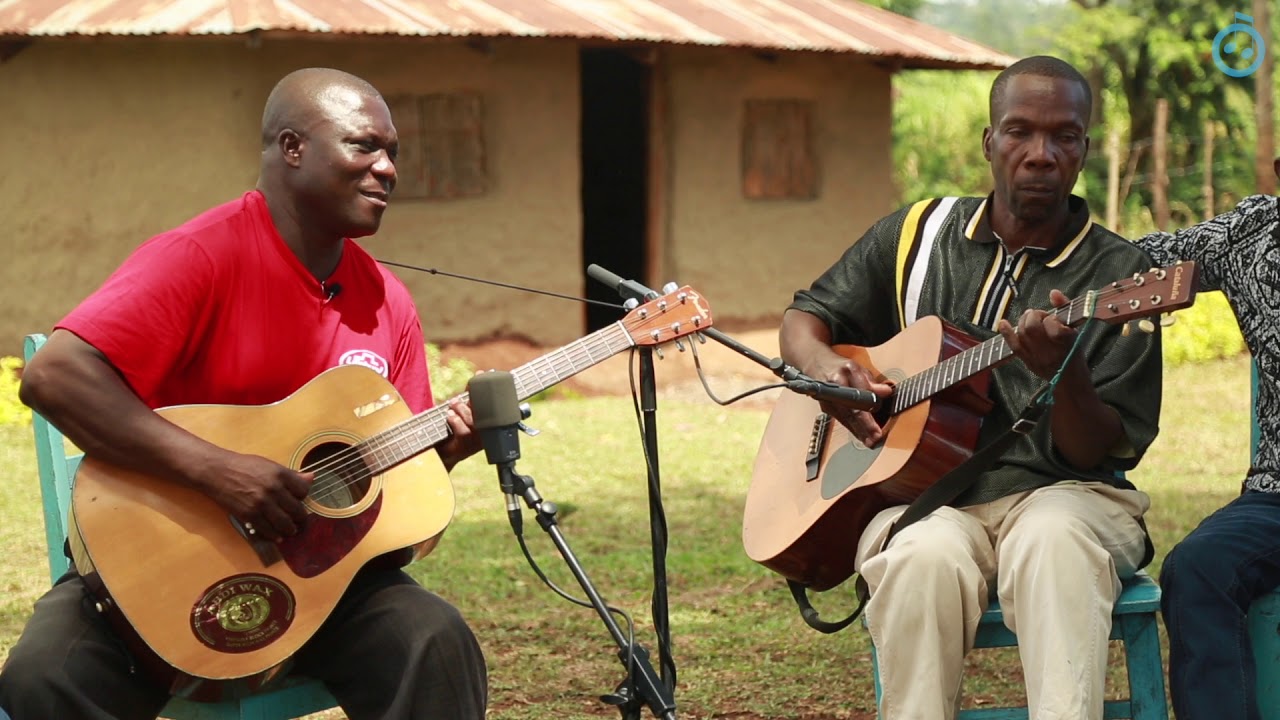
[
  {"x": 1205, "y": 331},
  {"x": 450, "y": 378},
  {"x": 12, "y": 411}
]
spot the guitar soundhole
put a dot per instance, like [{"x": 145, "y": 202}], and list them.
[{"x": 342, "y": 478}]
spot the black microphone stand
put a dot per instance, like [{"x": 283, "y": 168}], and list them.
[
  {"x": 649, "y": 688},
  {"x": 633, "y": 295}
]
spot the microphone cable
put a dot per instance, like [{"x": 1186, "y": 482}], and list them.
[
  {"x": 659, "y": 513},
  {"x": 495, "y": 283}
]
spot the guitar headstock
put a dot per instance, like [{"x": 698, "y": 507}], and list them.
[
  {"x": 674, "y": 315},
  {"x": 1157, "y": 291}
]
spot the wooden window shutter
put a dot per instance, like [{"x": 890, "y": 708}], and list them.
[
  {"x": 441, "y": 145},
  {"x": 777, "y": 150}
]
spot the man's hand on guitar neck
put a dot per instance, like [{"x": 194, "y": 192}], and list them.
[
  {"x": 463, "y": 440},
  {"x": 1040, "y": 339},
  {"x": 1085, "y": 430}
]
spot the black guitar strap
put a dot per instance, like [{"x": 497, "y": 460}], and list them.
[{"x": 946, "y": 489}]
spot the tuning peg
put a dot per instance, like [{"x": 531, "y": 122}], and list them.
[
  {"x": 679, "y": 346},
  {"x": 669, "y": 288},
  {"x": 1126, "y": 328},
  {"x": 702, "y": 339},
  {"x": 657, "y": 350},
  {"x": 630, "y": 304},
  {"x": 1146, "y": 326},
  {"x": 1167, "y": 320}
]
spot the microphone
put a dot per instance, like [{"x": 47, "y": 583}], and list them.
[
  {"x": 625, "y": 288},
  {"x": 795, "y": 381},
  {"x": 495, "y": 410},
  {"x": 853, "y": 397},
  {"x": 331, "y": 291}
]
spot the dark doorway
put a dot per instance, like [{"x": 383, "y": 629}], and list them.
[{"x": 615, "y": 164}]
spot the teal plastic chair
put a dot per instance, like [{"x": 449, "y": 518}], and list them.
[
  {"x": 293, "y": 698},
  {"x": 1264, "y": 618}
]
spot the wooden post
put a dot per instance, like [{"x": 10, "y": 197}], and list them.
[
  {"x": 1113, "y": 179},
  {"x": 1265, "y": 152},
  {"x": 1160, "y": 174},
  {"x": 1206, "y": 189}
]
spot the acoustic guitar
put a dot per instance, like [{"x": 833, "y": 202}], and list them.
[
  {"x": 815, "y": 487},
  {"x": 215, "y": 604}
]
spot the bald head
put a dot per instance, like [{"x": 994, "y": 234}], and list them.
[
  {"x": 328, "y": 155},
  {"x": 306, "y": 97}
]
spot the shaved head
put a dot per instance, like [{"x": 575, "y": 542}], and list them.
[
  {"x": 308, "y": 96},
  {"x": 328, "y": 155}
]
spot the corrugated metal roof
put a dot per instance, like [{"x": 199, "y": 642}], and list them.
[{"x": 824, "y": 25}]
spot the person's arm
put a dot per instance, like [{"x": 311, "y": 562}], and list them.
[
  {"x": 1221, "y": 245},
  {"x": 805, "y": 343},
  {"x": 79, "y": 391},
  {"x": 846, "y": 304},
  {"x": 1083, "y": 427}
]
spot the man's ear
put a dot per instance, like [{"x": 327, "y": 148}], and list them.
[
  {"x": 290, "y": 144},
  {"x": 986, "y": 143}
]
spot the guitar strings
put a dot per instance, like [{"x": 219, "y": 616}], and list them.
[
  {"x": 349, "y": 463},
  {"x": 910, "y": 392},
  {"x": 433, "y": 420}
]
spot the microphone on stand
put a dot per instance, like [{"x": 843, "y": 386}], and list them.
[
  {"x": 793, "y": 378},
  {"x": 839, "y": 394},
  {"x": 495, "y": 409}
]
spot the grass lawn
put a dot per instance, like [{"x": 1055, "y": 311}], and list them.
[{"x": 740, "y": 647}]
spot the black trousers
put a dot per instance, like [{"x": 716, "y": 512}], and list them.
[{"x": 390, "y": 651}]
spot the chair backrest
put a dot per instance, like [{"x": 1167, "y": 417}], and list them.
[
  {"x": 1256, "y": 435},
  {"x": 57, "y": 469}
]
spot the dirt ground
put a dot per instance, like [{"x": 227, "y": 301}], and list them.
[{"x": 727, "y": 371}]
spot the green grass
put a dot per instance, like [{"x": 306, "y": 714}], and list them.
[{"x": 740, "y": 647}]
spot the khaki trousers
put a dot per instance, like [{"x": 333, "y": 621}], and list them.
[{"x": 1059, "y": 554}]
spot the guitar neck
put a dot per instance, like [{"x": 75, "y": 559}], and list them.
[
  {"x": 425, "y": 430},
  {"x": 979, "y": 358}
]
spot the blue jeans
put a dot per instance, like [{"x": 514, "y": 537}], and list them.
[{"x": 1209, "y": 580}]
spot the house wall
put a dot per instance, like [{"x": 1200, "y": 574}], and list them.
[
  {"x": 110, "y": 141},
  {"x": 749, "y": 256}
]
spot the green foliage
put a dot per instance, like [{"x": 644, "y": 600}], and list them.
[
  {"x": 12, "y": 411},
  {"x": 937, "y": 133},
  {"x": 1134, "y": 52},
  {"x": 1205, "y": 331},
  {"x": 449, "y": 378},
  {"x": 908, "y": 8}
]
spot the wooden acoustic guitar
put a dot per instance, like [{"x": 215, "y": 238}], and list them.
[
  {"x": 815, "y": 487},
  {"x": 213, "y": 603}
]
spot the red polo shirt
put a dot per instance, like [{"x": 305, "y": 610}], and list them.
[{"x": 220, "y": 310}]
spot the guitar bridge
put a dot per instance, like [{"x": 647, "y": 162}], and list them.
[{"x": 817, "y": 442}]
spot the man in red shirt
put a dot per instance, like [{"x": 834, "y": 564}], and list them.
[{"x": 243, "y": 305}]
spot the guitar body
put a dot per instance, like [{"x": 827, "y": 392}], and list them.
[
  {"x": 803, "y": 520},
  {"x": 204, "y": 598},
  {"x": 213, "y": 612}
]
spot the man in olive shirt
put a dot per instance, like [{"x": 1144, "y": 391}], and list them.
[{"x": 1050, "y": 525}]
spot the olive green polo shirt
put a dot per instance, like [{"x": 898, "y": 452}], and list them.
[{"x": 940, "y": 257}]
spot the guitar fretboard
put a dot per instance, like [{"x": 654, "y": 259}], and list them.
[
  {"x": 969, "y": 362},
  {"x": 423, "y": 431}
]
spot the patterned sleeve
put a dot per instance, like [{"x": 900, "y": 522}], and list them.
[
  {"x": 1222, "y": 247},
  {"x": 854, "y": 297}
]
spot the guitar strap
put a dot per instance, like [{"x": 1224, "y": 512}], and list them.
[{"x": 946, "y": 489}]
